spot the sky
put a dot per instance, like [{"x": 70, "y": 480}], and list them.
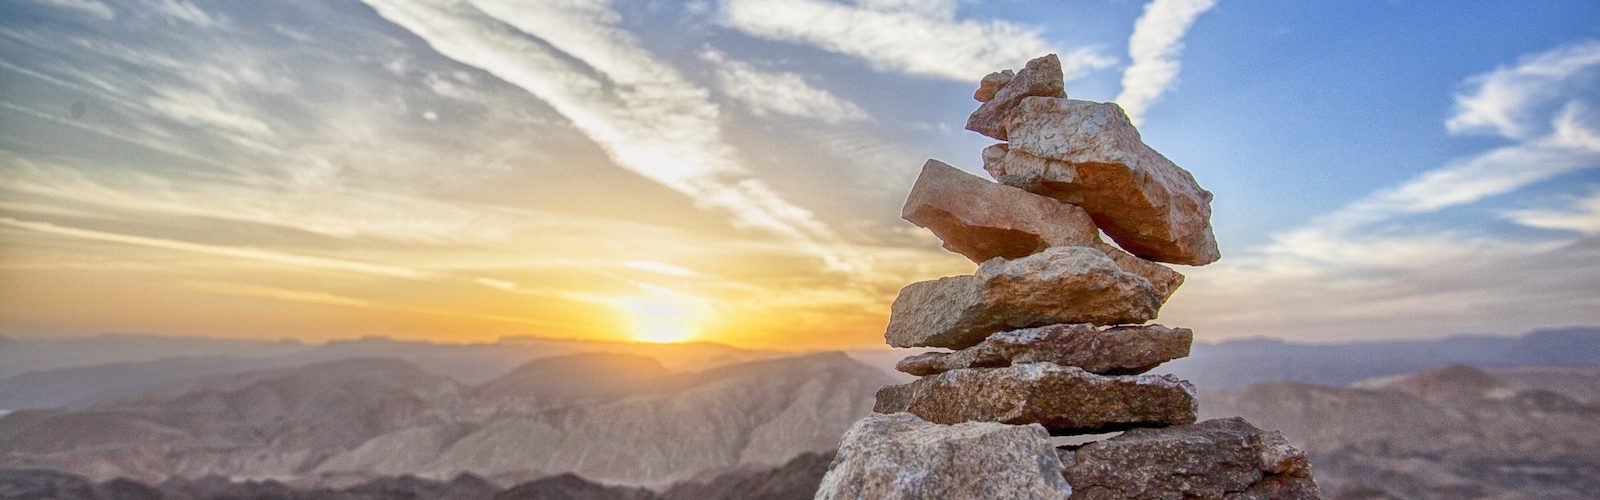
[{"x": 732, "y": 170}]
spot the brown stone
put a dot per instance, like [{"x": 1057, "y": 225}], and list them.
[
  {"x": 1222, "y": 458},
  {"x": 900, "y": 456},
  {"x": 1088, "y": 154},
  {"x": 1063, "y": 399},
  {"x": 1041, "y": 77},
  {"x": 1058, "y": 285},
  {"x": 981, "y": 220},
  {"x": 991, "y": 83},
  {"x": 1121, "y": 350}
]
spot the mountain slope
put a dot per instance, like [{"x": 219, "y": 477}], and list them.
[{"x": 1450, "y": 432}]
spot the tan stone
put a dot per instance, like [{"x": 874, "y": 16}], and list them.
[
  {"x": 981, "y": 220},
  {"x": 1088, "y": 154},
  {"x": 1058, "y": 285},
  {"x": 991, "y": 83},
  {"x": 1121, "y": 350},
  {"x": 900, "y": 456},
  {"x": 1064, "y": 399},
  {"x": 1041, "y": 77}
]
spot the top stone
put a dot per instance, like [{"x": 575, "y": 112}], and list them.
[
  {"x": 1088, "y": 154},
  {"x": 1001, "y": 93}
]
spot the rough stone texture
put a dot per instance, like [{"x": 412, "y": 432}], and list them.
[
  {"x": 982, "y": 220},
  {"x": 991, "y": 83},
  {"x": 1088, "y": 154},
  {"x": 1058, "y": 285},
  {"x": 1041, "y": 77},
  {"x": 1222, "y": 458},
  {"x": 1121, "y": 350},
  {"x": 1064, "y": 399},
  {"x": 900, "y": 456}
]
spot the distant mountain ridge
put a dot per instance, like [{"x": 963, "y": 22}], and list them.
[
  {"x": 1242, "y": 362},
  {"x": 627, "y": 421}
]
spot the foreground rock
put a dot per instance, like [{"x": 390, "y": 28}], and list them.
[
  {"x": 1122, "y": 350},
  {"x": 1064, "y": 399},
  {"x": 1088, "y": 154},
  {"x": 1041, "y": 77},
  {"x": 1224, "y": 458},
  {"x": 1058, "y": 285},
  {"x": 900, "y": 456},
  {"x": 982, "y": 220}
]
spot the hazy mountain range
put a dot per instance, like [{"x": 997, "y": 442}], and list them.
[{"x": 518, "y": 417}]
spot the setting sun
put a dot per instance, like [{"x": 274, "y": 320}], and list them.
[{"x": 661, "y": 315}]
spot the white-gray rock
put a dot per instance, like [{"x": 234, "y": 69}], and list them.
[{"x": 900, "y": 456}]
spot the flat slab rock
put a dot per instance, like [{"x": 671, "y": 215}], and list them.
[
  {"x": 981, "y": 220},
  {"x": 1000, "y": 93},
  {"x": 1088, "y": 154},
  {"x": 900, "y": 456},
  {"x": 1120, "y": 350},
  {"x": 1221, "y": 458},
  {"x": 1064, "y": 399}
]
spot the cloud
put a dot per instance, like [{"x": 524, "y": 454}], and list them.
[
  {"x": 1505, "y": 101},
  {"x": 646, "y": 116},
  {"x": 1581, "y": 215},
  {"x": 1380, "y": 266},
  {"x": 779, "y": 92},
  {"x": 271, "y": 256},
  {"x": 91, "y": 7},
  {"x": 910, "y": 36},
  {"x": 1154, "y": 48}
]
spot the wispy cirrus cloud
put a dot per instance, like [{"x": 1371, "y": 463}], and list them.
[
  {"x": 1377, "y": 267},
  {"x": 779, "y": 92},
  {"x": 923, "y": 37},
  {"x": 646, "y": 115},
  {"x": 1154, "y": 48}
]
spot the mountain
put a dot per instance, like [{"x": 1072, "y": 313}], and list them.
[
  {"x": 1450, "y": 432},
  {"x": 1238, "y": 363},
  {"x": 794, "y": 480},
  {"x": 607, "y": 417},
  {"x": 36, "y": 374}
]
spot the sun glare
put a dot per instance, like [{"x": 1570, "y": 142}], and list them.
[{"x": 660, "y": 315}]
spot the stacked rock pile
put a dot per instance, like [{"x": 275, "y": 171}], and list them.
[{"x": 1050, "y": 337}]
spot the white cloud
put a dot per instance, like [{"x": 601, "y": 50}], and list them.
[
  {"x": 646, "y": 116},
  {"x": 187, "y": 12},
  {"x": 911, "y": 36},
  {"x": 1377, "y": 266},
  {"x": 779, "y": 92},
  {"x": 91, "y": 7},
  {"x": 1505, "y": 101},
  {"x": 1154, "y": 48},
  {"x": 1581, "y": 215}
]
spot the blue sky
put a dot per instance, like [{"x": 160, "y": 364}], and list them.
[{"x": 470, "y": 169}]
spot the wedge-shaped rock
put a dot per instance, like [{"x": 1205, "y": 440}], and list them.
[
  {"x": 1088, "y": 154},
  {"x": 1058, "y": 285},
  {"x": 900, "y": 456},
  {"x": 1063, "y": 399},
  {"x": 1222, "y": 458},
  {"x": 982, "y": 220},
  {"x": 991, "y": 84},
  {"x": 1041, "y": 77},
  {"x": 1121, "y": 350}
]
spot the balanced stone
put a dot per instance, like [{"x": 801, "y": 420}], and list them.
[
  {"x": 991, "y": 84},
  {"x": 900, "y": 456},
  {"x": 1063, "y": 399},
  {"x": 1121, "y": 350},
  {"x": 1041, "y": 77},
  {"x": 1223, "y": 458},
  {"x": 1088, "y": 154},
  {"x": 1058, "y": 285},
  {"x": 981, "y": 220}
]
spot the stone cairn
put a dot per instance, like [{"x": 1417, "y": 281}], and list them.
[{"x": 1049, "y": 336}]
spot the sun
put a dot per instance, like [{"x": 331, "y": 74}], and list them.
[{"x": 660, "y": 315}]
